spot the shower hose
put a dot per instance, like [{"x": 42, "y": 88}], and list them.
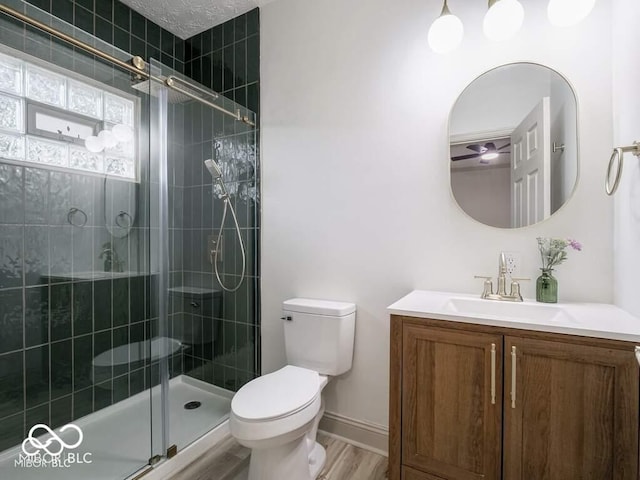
[{"x": 227, "y": 205}]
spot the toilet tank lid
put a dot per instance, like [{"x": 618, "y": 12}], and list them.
[{"x": 318, "y": 307}]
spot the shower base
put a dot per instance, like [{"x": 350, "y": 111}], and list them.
[{"x": 118, "y": 437}]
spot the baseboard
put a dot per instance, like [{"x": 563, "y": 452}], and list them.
[{"x": 369, "y": 436}]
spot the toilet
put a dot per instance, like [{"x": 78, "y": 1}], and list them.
[{"x": 277, "y": 415}]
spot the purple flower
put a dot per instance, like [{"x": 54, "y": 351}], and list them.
[
  {"x": 576, "y": 245},
  {"x": 553, "y": 250}
]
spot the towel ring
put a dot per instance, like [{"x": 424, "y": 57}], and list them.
[
  {"x": 617, "y": 157},
  {"x": 121, "y": 215},
  {"x": 71, "y": 215}
]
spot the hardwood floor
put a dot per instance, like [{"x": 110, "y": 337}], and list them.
[{"x": 344, "y": 462}]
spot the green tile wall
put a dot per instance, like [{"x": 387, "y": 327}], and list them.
[
  {"x": 226, "y": 59},
  {"x": 52, "y": 328}
]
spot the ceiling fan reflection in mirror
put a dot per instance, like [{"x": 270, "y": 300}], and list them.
[
  {"x": 484, "y": 152},
  {"x": 491, "y": 151}
]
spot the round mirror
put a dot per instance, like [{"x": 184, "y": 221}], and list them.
[{"x": 513, "y": 139}]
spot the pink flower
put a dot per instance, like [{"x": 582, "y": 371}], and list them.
[{"x": 576, "y": 245}]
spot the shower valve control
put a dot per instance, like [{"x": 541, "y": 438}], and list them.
[{"x": 212, "y": 246}]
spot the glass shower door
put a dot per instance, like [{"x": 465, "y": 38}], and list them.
[
  {"x": 216, "y": 329},
  {"x": 75, "y": 272}
]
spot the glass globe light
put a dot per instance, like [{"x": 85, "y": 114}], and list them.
[
  {"x": 503, "y": 19},
  {"x": 123, "y": 133},
  {"x": 108, "y": 139},
  {"x": 446, "y": 32},
  {"x": 93, "y": 144}
]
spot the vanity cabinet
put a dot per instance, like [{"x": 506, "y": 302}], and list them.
[{"x": 476, "y": 402}]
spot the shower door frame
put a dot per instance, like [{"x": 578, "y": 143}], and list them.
[{"x": 156, "y": 178}]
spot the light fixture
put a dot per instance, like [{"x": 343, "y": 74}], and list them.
[
  {"x": 445, "y": 33},
  {"x": 503, "y": 19},
  {"x": 566, "y": 13},
  {"x": 93, "y": 144},
  {"x": 108, "y": 139},
  {"x": 123, "y": 133},
  {"x": 490, "y": 153}
]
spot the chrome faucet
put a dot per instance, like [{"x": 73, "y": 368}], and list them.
[{"x": 514, "y": 294}]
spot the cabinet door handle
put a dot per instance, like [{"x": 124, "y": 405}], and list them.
[
  {"x": 493, "y": 373},
  {"x": 513, "y": 377}
]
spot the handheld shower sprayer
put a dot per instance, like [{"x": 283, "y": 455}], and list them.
[
  {"x": 216, "y": 173},
  {"x": 214, "y": 169}
]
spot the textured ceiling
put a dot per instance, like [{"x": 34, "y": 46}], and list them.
[{"x": 186, "y": 18}]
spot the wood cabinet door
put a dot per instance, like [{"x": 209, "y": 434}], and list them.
[
  {"x": 571, "y": 411},
  {"x": 451, "y": 415}
]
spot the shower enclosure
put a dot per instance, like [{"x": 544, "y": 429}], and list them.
[{"x": 112, "y": 318}]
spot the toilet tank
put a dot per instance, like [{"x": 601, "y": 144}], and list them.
[{"x": 318, "y": 334}]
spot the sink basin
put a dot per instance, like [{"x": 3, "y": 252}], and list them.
[
  {"x": 514, "y": 310},
  {"x": 598, "y": 320}
]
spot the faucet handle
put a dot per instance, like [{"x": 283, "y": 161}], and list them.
[
  {"x": 488, "y": 285},
  {"x": 515, "y": 287}
]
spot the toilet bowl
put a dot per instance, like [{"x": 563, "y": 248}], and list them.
[{"x": 277, "y": 415}]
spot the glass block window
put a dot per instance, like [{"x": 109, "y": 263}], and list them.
[
  {"x": 122, "y": 167},
  {"x": 118, "y": 109},
  {"x": 45, "y": 87},
  {"x": 11, "y": 146},
  {"x": 10, "y": 75},
  {"x": 83, "y": 159},
  {"x": 11, "y": 113},
  {"x": 47, "y": 152},
  {"x": 48, "y": 118},
  {"x": 84, "y": 99}
]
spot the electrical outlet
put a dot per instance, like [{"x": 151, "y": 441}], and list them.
[{"x": 514, "y": 263}]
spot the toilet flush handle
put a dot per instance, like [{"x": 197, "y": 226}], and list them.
[{"x": 287, "y": 318}]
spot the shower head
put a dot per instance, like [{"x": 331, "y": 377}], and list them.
[{"x": 214, "y": 169}]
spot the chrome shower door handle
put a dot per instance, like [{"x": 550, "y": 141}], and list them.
[
  {"x": 493, "y": 374},
  {"x": 513, "y": 377}
]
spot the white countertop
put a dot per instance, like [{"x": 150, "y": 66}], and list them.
[{"x": 598, "y": 320}]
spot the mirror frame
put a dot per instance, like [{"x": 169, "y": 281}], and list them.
[{"x": 578, "y": 153}]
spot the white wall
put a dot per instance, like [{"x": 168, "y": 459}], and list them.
[
  {"x": 356, "y": 197},
  {"x": 626, "y": 122}
]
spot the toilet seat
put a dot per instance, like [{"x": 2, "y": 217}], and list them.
[
  {"x": 276, "y": 395},
  {"x": 276, "y": 407}
]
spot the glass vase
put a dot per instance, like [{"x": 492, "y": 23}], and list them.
[{"x": 547, "y": 287}]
